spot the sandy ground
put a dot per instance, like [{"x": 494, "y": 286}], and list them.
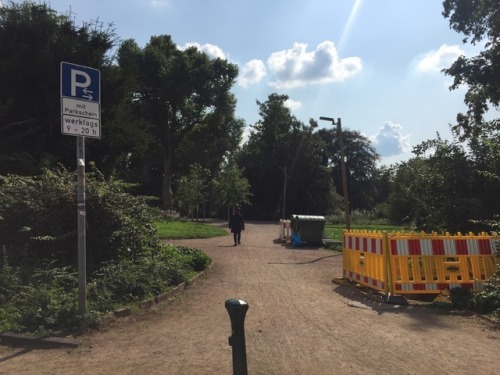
[{"x": 298, "y": 322}]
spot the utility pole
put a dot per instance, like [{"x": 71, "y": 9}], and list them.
[
  {"x": 342, "y": 168},
  {"x": 284, "y": 194}
]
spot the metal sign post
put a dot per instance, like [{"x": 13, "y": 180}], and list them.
[
  {"x": 81, "y": 117},
  {"x": 82, "y": 215}
]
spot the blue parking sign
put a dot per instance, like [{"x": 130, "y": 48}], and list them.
[{"x": 80, "y": 82}]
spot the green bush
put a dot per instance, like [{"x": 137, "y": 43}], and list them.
[
  {"x": 488, "y": 299},
  {"x": 9, "y": 280},
  {"x": 49, "y": 303},
  {"x": 37, "y": 216},
  {"x": 134, "y": 279},
  {"x": 38, "y": 219},
  {"x": 120, "y": 225},
  {"x": 130, "y": 280},
  {"x": 125, "y": 261},
  {"x": 460, "y": 297},
  {"x": 194, "y": 259},
  {"x": 359, "y": 217}
]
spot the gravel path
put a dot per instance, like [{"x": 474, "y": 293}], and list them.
[{"x": 298, "y": 322}]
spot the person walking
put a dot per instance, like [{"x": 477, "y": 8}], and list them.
[{"x": 237, "y": 224}]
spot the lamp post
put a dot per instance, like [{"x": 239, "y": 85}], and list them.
[
  {"x": 284, "y": 192},
  {"x": 342, "y": 167}
]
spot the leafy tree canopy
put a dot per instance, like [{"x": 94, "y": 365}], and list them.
[
  {"x": 479, "y": 21},
  {"x": 34, "y": 39},
  {"x": 186, "y": 97}
]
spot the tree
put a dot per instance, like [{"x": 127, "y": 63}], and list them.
[
  {"x": 400, "y": 202},
  {"x": 479, "y": 21},
  {"x": 193, "y": 189},
  {"x": 282, "y": 164},
  {"x": 435, "y": 191},
  {"x": 220, "y": 133},
  {"x": 34, "y": 40},
  {"x": 361, "y": 165},
  {"x": 447, "y": 186},
  {"x": 129, "y": 148},
  {"x": 182, "y": 91},
  {"x": 231, "y": 188}
]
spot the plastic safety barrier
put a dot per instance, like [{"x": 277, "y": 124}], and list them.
[
  {"x": 284, "y": 234},
  {"x": 363, "y": 258},
  {"x": 419, "y": 263}
]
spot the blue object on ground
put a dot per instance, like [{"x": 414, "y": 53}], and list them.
[{"x": 296, "y": 240}]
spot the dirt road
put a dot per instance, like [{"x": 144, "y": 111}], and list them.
[{"x": 298, "y": 322}]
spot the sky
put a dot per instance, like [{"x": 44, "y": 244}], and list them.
[{"x": 375, "y": 64}]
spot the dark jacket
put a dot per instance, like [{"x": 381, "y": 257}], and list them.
[{"x": 237, "y": 223}]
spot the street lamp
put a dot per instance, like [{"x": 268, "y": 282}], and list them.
[
  {"x": 342, "y": 167},
  {"x": 284, "y": 192}
]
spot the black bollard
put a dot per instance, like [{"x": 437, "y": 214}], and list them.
[{"x": 237, "y": 310}]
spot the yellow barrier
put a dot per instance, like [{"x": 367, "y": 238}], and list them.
[
  {"x": 363, "y": 259},
  {"x": 418, "y": 263}
]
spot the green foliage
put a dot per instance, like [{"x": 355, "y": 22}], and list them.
[
  {"x": 151, "y": 274},
  {"x": 30, "y": 135},
  {"x": 335, "y": 231},
  {"x": 231, "y": 188},
  {"x": 192, "y": 189},
  {"x": 159, "y": 103},
  {"x": 488, "y": 299},
  {"x": 358, "y": 218},
  {"x": 460, "y": 297},
  {"x": 129, "y": 280},
  {"x": 282, "y": 163},
  {"x": 485, "y": 301},
  {"x": 185, "y": 95},
  {"x": 454, "y": 186},
  {"x": 119, "y": 225},
  {"x": 39, "y": 218},
  {"x": 440, "y": 190},
  {"x": 9, "y": 278},
  {"x": 194, "y": 259},
  {"x": 46, "y": 302},
  {"x": 361, "y": 170},
  {"x": 125, "y": 260},
  {"x": 479, "y": 21}
]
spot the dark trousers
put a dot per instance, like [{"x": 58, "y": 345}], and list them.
[{"x": 237, "y": 237}]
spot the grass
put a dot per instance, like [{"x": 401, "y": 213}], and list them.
[
  {"x": 175, "y": 229},
  {"x": 335, "y": 231}
]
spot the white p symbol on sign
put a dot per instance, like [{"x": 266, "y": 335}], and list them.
[{"x": 75, "y": 83}]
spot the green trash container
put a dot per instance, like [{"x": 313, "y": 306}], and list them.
[{"x": 309, "y": 228}]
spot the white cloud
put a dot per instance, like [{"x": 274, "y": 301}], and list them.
[
  {"x": 435, "y": 61},
  {"x": 211, "y": 50},
  {"x": 160, "y": 3},
  {"x": 252, "y": 72},
  {"x": 389, "y": 141},
  {"x": 292, "y": 104},
  {"x": 298, "y": 67}
]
